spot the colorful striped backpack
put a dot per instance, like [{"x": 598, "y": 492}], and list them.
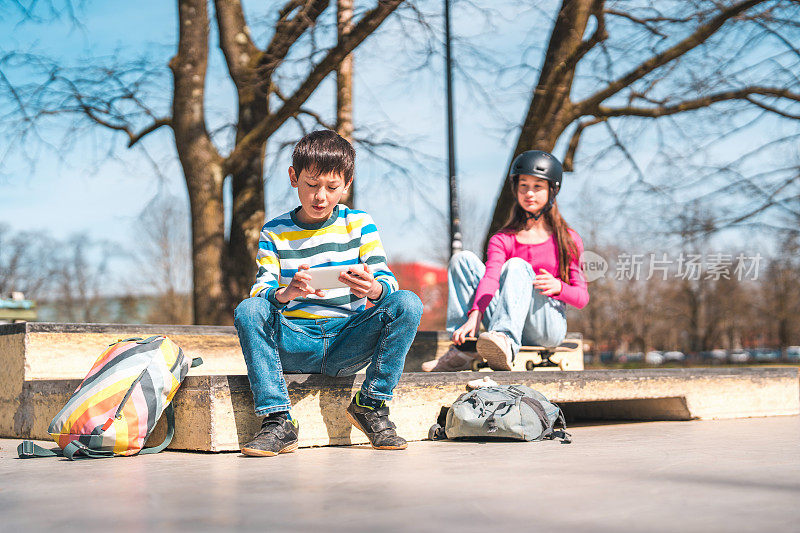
[{"x": 118, "y": 403}]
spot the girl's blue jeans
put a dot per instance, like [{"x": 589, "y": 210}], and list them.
[
  {"x": 523, "y": 313},
  {"x": 377, "y": 338}
]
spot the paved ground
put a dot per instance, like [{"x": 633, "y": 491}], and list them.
[{"x": 732, "y": 475}]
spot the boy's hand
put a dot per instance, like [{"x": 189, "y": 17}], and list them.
[
  {"x": 547, "y": 283},
  {"x": 361, "y": 283},
  {"x": 298, "y": 287}
]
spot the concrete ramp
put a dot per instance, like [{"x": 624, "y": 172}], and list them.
[{"x": 44, "y": 363}]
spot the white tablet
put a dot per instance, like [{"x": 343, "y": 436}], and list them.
[{"x": 327, "y": 277}]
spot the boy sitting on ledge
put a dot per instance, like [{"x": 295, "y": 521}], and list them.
[{"x": 288, "y": 325}]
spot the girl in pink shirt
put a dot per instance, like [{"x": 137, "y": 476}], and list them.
[{"x": 532, "y": 271}]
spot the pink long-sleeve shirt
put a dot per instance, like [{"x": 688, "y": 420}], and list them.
[{"x": 504, "y": 245}]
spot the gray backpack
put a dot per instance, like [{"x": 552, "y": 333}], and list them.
[{"x": 502, "y": 411}]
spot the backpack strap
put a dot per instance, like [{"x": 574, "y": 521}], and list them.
[
  {"x": 72, "y": 451},
  {"x": 562, "y": 434},
  {"x": 169, "y": 412},
  {"x": 28, "y": 450},
  {"x": 75, "y": 450},
  {"x": 491, "y": 422},
  {"x": 538, "y": 408}
]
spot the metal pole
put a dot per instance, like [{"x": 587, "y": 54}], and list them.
[{"x": 455, "y": 220}]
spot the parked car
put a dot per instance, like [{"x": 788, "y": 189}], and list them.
[
  {"x": 767, "y": 356},
  {"x": 630, "y": 357},
  {"x": 674, "y": 356},
  {"x": 719, "y": 356},
  {"x": 793, "y": 353},
  {"x": 738, "y": 356},
  {"x": 654, "y": 357}
]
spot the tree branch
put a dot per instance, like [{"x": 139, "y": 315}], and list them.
[
  {"x": 291, "y": 106},
  {"x": 697, "y": 103},
  {"x": 698, "y": 37},
  {"x": 771, "y": 109},
  {"x": 574, "y": 140},
  {"x": 287, "y": 31},
  {"x": 136, "y": 137},
  {"x": 317, "y": 118},
  {"x": 566, "y": 18},
  {"x": 599, "y": 35},
  {"x": 234, "y": 39},
  {"x": 647, "y": 24}
]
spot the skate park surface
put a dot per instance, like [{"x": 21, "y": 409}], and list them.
[
  {"x": 44, "y": 364},
  {"x": 710, "y": 450},
  {"x": 702, "y": 475}
]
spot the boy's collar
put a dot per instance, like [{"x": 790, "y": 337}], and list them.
[{"x": 316, "y": 225}]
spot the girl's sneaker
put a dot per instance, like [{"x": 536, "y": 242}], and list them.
[
  {"x": 453, "y": 360},
  {"x": 495, "y": 347}
]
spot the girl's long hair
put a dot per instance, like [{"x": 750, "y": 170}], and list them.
[{"x": 565, "y": 245}]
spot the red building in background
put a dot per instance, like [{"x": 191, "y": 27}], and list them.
[{"x": 429, "y": 282}]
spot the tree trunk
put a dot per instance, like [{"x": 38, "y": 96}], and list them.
[
  {"x": 344, "y": 86},
  {"x": 247, "y": 183},
  {"x": 248, "y": 202},
  {"x": 202, "y": 165},
  {"x": 550, "y": 111}
]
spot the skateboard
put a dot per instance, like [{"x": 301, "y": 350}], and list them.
[{"x": 566, "y": 356}]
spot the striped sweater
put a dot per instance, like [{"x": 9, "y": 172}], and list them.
[{"x": 348, "y": 237}]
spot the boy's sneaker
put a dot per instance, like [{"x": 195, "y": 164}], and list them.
[
  {"x": 452, "y": 360},
  {"x": 375, "y": 424},
  {"x": 277, "y": 435},
  {"x": 495, "y": 347}
]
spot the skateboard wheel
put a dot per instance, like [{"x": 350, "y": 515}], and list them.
[
  {"x": 476, "y": 365},
  {"x": 529, "y": 365}
]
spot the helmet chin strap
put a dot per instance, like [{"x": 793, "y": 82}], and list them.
[{"x": 542, "y": 211}]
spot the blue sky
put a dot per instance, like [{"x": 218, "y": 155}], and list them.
[{"x": 83, "y": 191}]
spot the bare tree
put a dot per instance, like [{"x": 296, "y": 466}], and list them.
[
  {"x": 70, "y": 278},
  {"x": 26, "y": 263},
  {"x": 781, "y": 295},
  {"x": 164, "y": 259},
  {"x": 80, "y": 278},
  {"x": 678, "y": 57},
  {"x": 117, "y": 97}
]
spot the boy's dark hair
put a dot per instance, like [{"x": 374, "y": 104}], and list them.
[{"x": 323, "y": 152}]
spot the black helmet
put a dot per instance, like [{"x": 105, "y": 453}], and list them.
[{"x": 540, "y": 164}]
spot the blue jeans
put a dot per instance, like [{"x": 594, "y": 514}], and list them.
[
  {"x": 523, "y": 313},
  {"x": 377, "y": 338}
]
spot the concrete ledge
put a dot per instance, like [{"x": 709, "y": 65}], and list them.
[
  {"x": 67, "y": 351},
  {"x": 215, "y": 413}
]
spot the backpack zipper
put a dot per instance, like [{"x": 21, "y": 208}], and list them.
[{"x": 118, "y": 414}]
